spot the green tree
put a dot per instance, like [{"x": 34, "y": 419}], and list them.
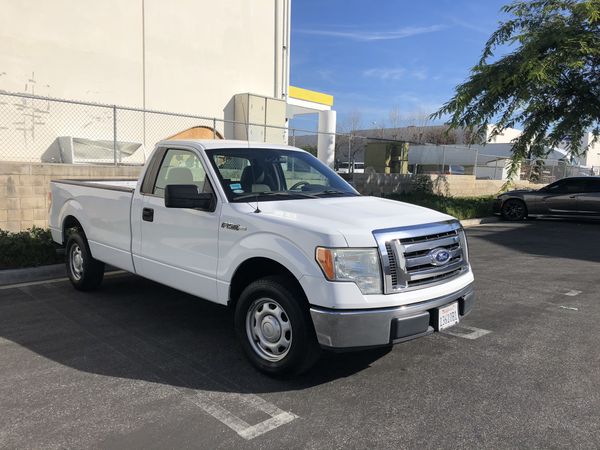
[{"x": 547, "y": 81}]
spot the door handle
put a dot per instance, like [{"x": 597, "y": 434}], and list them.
[
  {"x": 572, "y": 196},
  {"x": 148, "y": 214}
]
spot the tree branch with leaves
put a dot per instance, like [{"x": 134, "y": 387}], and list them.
[{"x": 548, "y": 82}]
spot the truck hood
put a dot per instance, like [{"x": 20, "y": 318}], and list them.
[{"x": 354, "y": 217}]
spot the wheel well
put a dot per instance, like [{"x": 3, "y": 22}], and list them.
[
  {"x": 70, "y": 223},
  {"x": 253, "y": 269}
]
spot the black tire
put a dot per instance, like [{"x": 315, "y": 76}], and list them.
[
  {"x": 514, "y": 210},
  {"x": 85, "y": 272},
  {"x": 284, "y": 308}
]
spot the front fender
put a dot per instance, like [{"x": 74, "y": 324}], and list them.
[
  {"x": 266, "y": 245},
  {"x": 278, "y": 248}
]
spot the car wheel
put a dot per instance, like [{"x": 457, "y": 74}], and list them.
[
  {"x": 514, "y": 210},
  {"x": 85, "y": 272},
  {"x": 273, "y": 324}
]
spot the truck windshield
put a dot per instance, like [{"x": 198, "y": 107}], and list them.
[{"x": 275, "y": 174}]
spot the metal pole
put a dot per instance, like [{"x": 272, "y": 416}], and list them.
[
  {"x": 349, "y": 150},
  {"x": 475, "y": 165},
  {"x": 115, "y": 134},
  {"x": 294, "y": 137},
  {"x": 214, "y": 128},
  {"x": 443, "y": 159},
  {"x": 495, "y": 168}
]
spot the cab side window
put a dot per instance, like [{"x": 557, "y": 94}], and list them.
[{"x": 181, "y": 167}]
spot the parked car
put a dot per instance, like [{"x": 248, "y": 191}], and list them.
[
  {"x": 356, "y": 167},
  {"x": 574, "y": 196},
  {"x": 304, "y": 261}
]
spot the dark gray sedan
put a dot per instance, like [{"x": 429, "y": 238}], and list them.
[{"x": 575, "y": 196}]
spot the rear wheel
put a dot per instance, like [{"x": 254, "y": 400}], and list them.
[
  {"x": 514, "y": 209},
  {"x": 85, "y": 272},
  {"x": 274, "y": 327}
]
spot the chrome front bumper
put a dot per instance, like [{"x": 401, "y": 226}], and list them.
[{"x": 346, "y": 329}]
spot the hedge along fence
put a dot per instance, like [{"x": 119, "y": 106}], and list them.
[
  {"x": 30, "y": 248},
  {"x": 460, "y": 207}
]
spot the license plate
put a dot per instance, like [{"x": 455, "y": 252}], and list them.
[{"x": 447, "y": 316}]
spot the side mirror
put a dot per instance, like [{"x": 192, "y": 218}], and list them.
[{"x": 187, "y": 196}]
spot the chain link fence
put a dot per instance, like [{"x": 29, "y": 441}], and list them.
[
  {"x": 484, "y": 162},
  {"x": 49, "y": 130}
]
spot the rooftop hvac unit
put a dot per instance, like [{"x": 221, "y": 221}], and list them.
[{"x": 72, "y": 150}]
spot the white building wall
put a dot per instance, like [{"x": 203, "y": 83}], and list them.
[
  {"x": 592, "y": 157},
  {"x": 197, "y": 54},
  {"x": 183, "y": 56},
  {"x": 505, "y": 137}
]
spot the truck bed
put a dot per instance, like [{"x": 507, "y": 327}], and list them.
[{"x": 103, "y": 207}]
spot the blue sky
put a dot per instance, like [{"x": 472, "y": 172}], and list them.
[{"x": 373, "y": 56}]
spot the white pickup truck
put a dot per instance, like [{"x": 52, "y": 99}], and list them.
[{"x": 303, "y": 259}]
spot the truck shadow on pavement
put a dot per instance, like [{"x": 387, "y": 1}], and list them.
[{"x": 137, "y": 329}]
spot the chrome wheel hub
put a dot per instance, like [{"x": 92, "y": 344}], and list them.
[
  {"x": 76, "y": 261},
  {"x": 268, "y": 329}
]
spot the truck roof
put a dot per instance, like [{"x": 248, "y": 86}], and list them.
[{"x": 208, "y": 144}]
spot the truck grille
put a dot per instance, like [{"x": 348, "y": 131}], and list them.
[{"x": 415, "y": 257}]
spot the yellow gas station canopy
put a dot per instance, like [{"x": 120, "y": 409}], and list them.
[{"x": 310, "y": 96}]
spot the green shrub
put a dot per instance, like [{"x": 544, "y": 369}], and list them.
[
  {"x": 30, "y": 248},
  {"x": 459, "y": 207}
]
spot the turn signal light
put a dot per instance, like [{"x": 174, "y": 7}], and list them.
[{"x": 324, "y": 257}]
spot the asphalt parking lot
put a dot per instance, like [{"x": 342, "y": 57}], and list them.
[{"x": 139, "y": 365}]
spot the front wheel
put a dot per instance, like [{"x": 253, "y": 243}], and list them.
[
  {"x": 514, "y": 210},
  {"x": 85, "y": 272},
  {"x": 273, "y": 324}
]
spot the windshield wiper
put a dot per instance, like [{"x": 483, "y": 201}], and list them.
[
  {"x": 256, "y": 195},
  {"x": 334, "y": 191}
]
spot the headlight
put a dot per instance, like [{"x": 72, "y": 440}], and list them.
[
  {"x": 464, "y": 244},
  {"x": 360, "y": 266}
]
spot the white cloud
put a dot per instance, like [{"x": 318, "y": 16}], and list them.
[
  {"x": 366, "y": 36},
  {"x": 395, "y": 73},
  {"x": 385, "y": 73},
  {"x": 419, "y": 74}
]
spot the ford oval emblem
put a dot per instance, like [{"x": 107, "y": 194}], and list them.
[{"x": 439, "y": 256}]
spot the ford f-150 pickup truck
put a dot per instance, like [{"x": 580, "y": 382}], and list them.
[{"x": 304, "y": 260}]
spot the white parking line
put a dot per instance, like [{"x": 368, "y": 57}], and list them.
[
  {"x": 572, "y": 293},
  {"x": 209, "y": 404},
  {"x": 569, "y": 308},
  {"x": 467, "y": 332}
]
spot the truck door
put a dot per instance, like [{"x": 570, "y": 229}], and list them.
[{"x": 179, "y": 245}]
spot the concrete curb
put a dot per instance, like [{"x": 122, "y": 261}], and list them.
[
  {"x": 29, "y": 274},
  {"x": 8, "y": 277},
  {"x": 474, "y": 222}
]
